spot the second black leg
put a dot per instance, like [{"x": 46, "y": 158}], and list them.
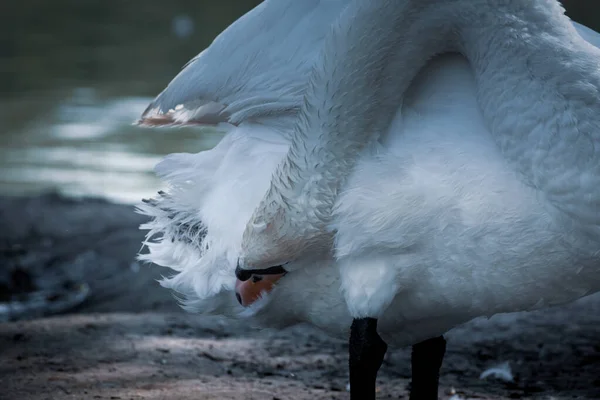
[{"x": 426, "y": 361}]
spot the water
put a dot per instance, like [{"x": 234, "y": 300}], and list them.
[
  {"x": 74, "y": 76},
  {"x": 87, "y": 146}
]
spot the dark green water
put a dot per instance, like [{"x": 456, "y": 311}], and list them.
[{"x": 74, "y": 75}]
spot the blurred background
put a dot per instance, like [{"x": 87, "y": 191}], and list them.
[{"x": 75, "y": 74}]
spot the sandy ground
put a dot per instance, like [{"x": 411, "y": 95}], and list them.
[{"x": 130, "y": 341}]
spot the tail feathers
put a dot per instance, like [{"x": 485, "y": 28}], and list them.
[
  {"x": 195, "y": 226},
  {"x": 172, "y": 221},
  {"x": 204, "y": 279},
  {"x": 190, "y": 177}
]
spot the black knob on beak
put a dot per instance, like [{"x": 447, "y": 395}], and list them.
[{"x": 245, "y": 274}]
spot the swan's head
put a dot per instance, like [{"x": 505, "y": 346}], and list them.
[{"x": 277, "y": 236}]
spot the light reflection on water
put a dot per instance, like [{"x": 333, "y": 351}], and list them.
[{"x": 88, "y": 146}]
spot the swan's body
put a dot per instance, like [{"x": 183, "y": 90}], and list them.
[
  {"x": 438, "y": 178},
  {"x": 538, "y": 87},
  {"x": 481, "y": 195}
]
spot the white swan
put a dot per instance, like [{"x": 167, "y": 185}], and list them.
[{"x": 467, "y": 237}]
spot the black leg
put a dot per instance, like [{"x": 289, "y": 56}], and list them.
[
  {"x": 366, "y": 355},
  {"x": 426, "y": 362}
]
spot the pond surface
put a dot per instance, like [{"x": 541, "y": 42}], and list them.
[
  {"x": 76, "y": 74},
  {"x": 88, "y": 146}
]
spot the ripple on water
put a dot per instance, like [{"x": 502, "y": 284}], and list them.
[{"x": 89, "y": 147}]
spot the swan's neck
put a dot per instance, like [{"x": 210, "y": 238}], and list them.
[{"x": 349, "y": 101}]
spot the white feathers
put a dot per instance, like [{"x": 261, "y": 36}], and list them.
[
  {"x": 368, "y": 291},
  {"x": 259, "y": 227},
  {"x": 501, "y": 371},
  {"x": 196, "y": 228}
]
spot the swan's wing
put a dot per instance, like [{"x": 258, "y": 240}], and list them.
[{"x": 257, "y": 67}]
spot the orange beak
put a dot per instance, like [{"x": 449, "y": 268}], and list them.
[{"x": 249, "y": 291}]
